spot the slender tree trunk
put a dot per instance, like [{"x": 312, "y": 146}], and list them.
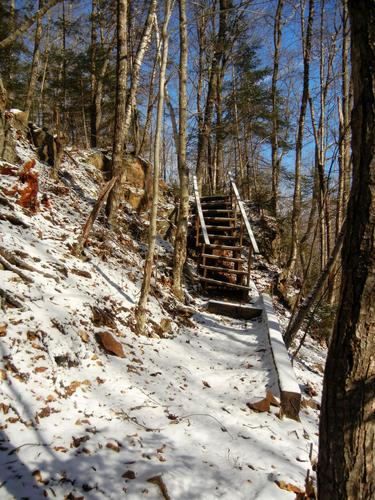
[
  {"x": 275, "y": 117},
  {"x": 93, "y": 68},
  {"x": 183, "y": 214},
  {"x": 114, "y": 198},
  {"x": 119, "y": 132},
  {"x": 34, "y": 64},
  {"x": 346, "y": 467},
  {"x": 145, "y": 40},
  {"x": 296, "y": 214},
  {"x": 149, "y": 263}
]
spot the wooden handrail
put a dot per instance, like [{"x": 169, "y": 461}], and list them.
[
  {"x": 245, "y": 219},
  {"x": 200, "y": 212}
]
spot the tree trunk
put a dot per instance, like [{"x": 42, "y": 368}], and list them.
[
  {"x": 34, "y": 64},
  {"x": 296, "y": 214},
  {"x": 149, "y": 263},
  {"x": 183, "y": 172},
  {"x": 346, "y": 468},
  {"x": 275, "y": 117},
  {"x": 114, "y": 197},
  {"x": 93, "y": 68}
]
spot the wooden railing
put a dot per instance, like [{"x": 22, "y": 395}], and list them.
[
  {"x": 244, "y": 219},
  {"x": 199, "y": 221}
]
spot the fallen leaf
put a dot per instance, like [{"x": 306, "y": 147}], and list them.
[
  {"x": 288, "y": 487},
  {"x": 4, "y": 408},
  {"x": 60, "y": 448},
  {"x": 38, "y": 476},
  {"x": 129, "y": 474},
  {"x": 3, "y": 330},
  {"x": 40, "y": 369},
  {"x": 115, "y": 446},
  {"x": 84, "y": 336},
  {"x": 3, "y": 375},
  {"x": 206, "y": 384}
]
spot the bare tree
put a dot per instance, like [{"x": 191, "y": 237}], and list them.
[
  {"x": 121, "y": 79},
  {"x": 149, "y": 262},
  {"x": 306, "y": 39},
  {"x": 181, "y": 233},
  {"x": 275, "y": 117},
  {"x": 346, "y": 467},
  {"x": 34, "y": 64},
  {"x": 114, "y": 197}
]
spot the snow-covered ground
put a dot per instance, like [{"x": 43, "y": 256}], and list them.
[{"x": 167, "y": 420}]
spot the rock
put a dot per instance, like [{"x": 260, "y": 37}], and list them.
[{"x": 110, "y": 344}]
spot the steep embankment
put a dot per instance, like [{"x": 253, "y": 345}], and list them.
[{"x": 87, "y": 409}]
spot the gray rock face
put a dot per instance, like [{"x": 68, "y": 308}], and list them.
[{"x": 7, "y": 142}]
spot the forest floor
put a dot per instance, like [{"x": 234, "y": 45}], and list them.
[{"x": 169, "y": 419}]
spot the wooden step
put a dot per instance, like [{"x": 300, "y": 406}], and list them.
[
  {"x": 218, "y": 210},
  {"x": 219, "y": 228},
  {"x": 218, "y": 246},
  {"x": 215, "y": 197},
  {"x": 219, "y": 219},
  {"x": 222, "y": 269},
  {"x": 222, "y": 257},
  {"x": 211, "y": 281},
  {"x": 234, "y": 310},
  {"x": 216, "y": 203},
  {"x": 223, "y": 237}
]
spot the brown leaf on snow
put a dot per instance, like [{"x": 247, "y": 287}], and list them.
[
  {"x": 3, "y": 375},
  {"x": 129, "y": 474},
  {"x": 38, "y": 476},
  {"x": 3, "y": 330},
  {"x": 4, "y": 408},
  {"x": 44, "y": 412},
  {"x": 76, "y": 441},
  {"x": 40, "y": 369},
  {"x": 289, "y": 487},
  {"x": 100, "y": 380},
  {"x": 60, "y": 448},
  {"x": 115, "y": 446},
  {"x": 84, "y": 336},
  {"x": 206, "y": 384}
]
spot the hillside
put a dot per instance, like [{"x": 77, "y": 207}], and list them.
[{"x": 89, "y": 410}]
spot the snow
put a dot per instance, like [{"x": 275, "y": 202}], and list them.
[{"x": 75, "y": 420}]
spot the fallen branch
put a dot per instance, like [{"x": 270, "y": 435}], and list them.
[
  {"x": 12, "y": 259},
  {"x": 13, "y": 219},
  {"x": 297, "y": 320},
  {"x": 94, "y": 213},
  {"x": 16, "y": 302},
  {"x": 8, "y": 265}
]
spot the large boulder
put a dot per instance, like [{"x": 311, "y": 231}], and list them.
[{"x": 7, "y": 141}]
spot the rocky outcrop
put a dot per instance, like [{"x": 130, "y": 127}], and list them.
[{"x": 7, "y": 142}]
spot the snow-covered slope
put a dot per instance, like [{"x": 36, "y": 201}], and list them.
[{"x": 169, "y": 418}]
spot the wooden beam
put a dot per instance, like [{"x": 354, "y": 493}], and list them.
[
  {"x": 290, "y": 392},
  {"x": 234, "y": 310}
]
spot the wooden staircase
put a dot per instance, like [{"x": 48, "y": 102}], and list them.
[{"x": 223, "y": 237}]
